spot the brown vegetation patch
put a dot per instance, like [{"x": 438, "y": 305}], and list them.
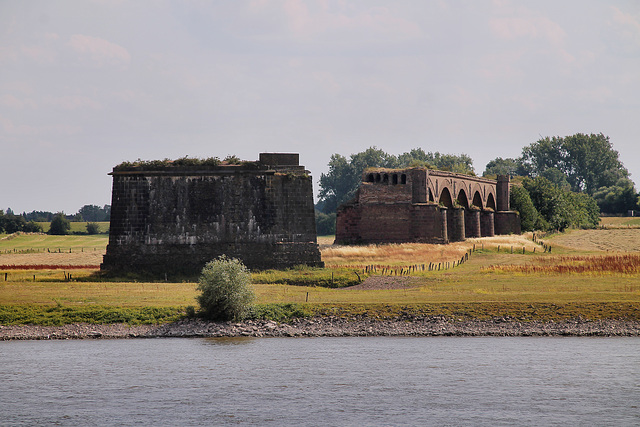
[{"x": 624, "y": 264}]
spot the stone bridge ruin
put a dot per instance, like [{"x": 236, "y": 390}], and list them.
[
  {"x": 422, "y": 205},
  {"x": 168, "y": 218}
]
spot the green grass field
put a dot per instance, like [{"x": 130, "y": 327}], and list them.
[
  {"x": 482, "y": 287},
  {"x": 77, "y": 227},
  {"x": 44, "y": 242}
]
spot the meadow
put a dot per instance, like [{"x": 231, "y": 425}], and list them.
[{"x": 488, "y": 277}]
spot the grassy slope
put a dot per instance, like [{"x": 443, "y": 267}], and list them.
[{"x": 467, "y": 290}]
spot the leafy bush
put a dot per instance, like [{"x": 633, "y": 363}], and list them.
[
  {"x": 521, "y": 202},
  {"x": 60, "y": 225},
  {"x": 226, "y": 292},
  {"x": 93, "y": 228}
]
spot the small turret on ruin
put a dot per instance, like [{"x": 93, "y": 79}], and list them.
[
  {"x": 423, "y": 205},
  {"x": 172, "y": 217}
]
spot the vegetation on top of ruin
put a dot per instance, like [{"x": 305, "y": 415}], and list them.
[{"x": 182, "y": 162}]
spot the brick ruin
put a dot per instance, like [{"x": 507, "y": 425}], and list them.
[
  {"x": 428, "y": 206},
  {"x": 168, "y": 219}
]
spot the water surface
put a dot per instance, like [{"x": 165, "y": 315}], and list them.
[{"x": 322, "y": 381}]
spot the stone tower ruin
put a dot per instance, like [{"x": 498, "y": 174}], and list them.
[{"x": 173, "y": 217}]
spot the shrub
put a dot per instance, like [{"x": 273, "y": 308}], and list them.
[
  {"x": 226, "y": 292},
  {"x": 93, "y": 228},
  {"x": 60, "y": 225}
]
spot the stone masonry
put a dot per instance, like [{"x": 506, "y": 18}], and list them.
[
  {"x": 422, "y": 205},
  {"x": 169, "y": 219}
]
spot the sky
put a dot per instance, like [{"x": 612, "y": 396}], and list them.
[{"x": 88, "y": 84}]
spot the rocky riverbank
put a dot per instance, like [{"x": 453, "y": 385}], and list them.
[{"x": 328, "y": 327}]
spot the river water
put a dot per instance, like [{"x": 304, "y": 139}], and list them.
[{"x": 322, "y": 381}]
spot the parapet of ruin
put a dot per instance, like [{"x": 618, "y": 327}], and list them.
[
  {"x": 427, "y": 206},
  {"x": 171, "y": 218}
]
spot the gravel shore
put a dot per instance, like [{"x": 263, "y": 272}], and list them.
[{"x": 328, "y": 327}]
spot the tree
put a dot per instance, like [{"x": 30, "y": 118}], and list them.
[
  {"x": 500, "y": 166},
  {"x": 618, "y": 198},
  {"x": 60, "y": 225},
  {"x": 325, "y": 223},
  {"x": 226, "y": 292},
  {"x": 520, "y": 201},
  {"x": 340, "y": 184},
  {"x": 559, "y": 209},
  {"x": 94, "y": 213},
  {"x": 588, "y": 161},
  {"x": 93, "y": 228}
]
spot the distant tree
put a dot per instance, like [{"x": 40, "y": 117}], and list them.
[
  {"x": 618, "y": 198},
  {"x": 589, "y": 162},
  {"x": 38, "y": 216},
  {"x": 556, "y": 177},
  {"x": 520, "y": 201},
  {"x": 60, "y": 225},
  {"x": 93, "y": 228},
  {"x": 340, "y": 184},
  {"x": 225, "y": 290},
  {"x": 559, "y": 209},
  {"x": 32, "y": 227},
  {"x": 447, "y": 162},
  {"x": 94, "y": 213},
  {"x": 325, "y": 223},
  {"x": 500, "y": 166}
]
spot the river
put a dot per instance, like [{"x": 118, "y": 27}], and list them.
[{"x": 487, "y": 381}]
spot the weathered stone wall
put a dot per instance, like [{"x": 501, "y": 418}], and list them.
[
  {"x": 420, "y": 205},
  {"x": 176, "y": 219}
]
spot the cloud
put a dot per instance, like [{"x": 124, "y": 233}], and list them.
[
  {"x": 100, "y": 52},
  {"x": 527, "y": 25},
  {"x": 13, "y": 102},
  {"x": 73, "y": 103},
  {"x": 625, "y": 29}
]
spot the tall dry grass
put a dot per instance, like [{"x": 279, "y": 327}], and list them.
[
  {"x": 622, "y": 264},
  {"x": 395, "y": 255}
]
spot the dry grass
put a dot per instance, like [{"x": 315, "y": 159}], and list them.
[
  {"x": 621, "y": 264},
  {"x": 608, "y": 240},
  {"x": 405, "y": 254},
  {"x": 61, "y": 260},
  {"x": 613, "y": 222}
]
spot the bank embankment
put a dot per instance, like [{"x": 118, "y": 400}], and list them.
[{"x": 329, "y": 326}]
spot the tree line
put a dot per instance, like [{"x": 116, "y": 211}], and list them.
[
  {"x": 60, "y": 222},
  {"x": 559, "y": 182}
]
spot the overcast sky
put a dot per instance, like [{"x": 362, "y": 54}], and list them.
[{"x": 85, "y": 85}]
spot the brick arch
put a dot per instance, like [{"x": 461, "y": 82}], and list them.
[
  {"x": 477, "y": 200},
  {"x": 463, "y": 199},
  {"x": 445, "y": 197},
  {"x": 491, "y": 201}
]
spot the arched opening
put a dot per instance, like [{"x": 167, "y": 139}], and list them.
[
  {"x": 445, "y": 198},
  {"x": 377, "y": 177},
  {"x": 462, "y": 199},
  {"x": 370, "y": 178},
  {"x": 403, "y": 179},
  {"x": 394, "y": 179},
  {"x": 477, "y": 200},
  {"x": 385, "y": 178},
  {"x": 491, "y": 202},
  {"x": 430, "y": 194}
]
